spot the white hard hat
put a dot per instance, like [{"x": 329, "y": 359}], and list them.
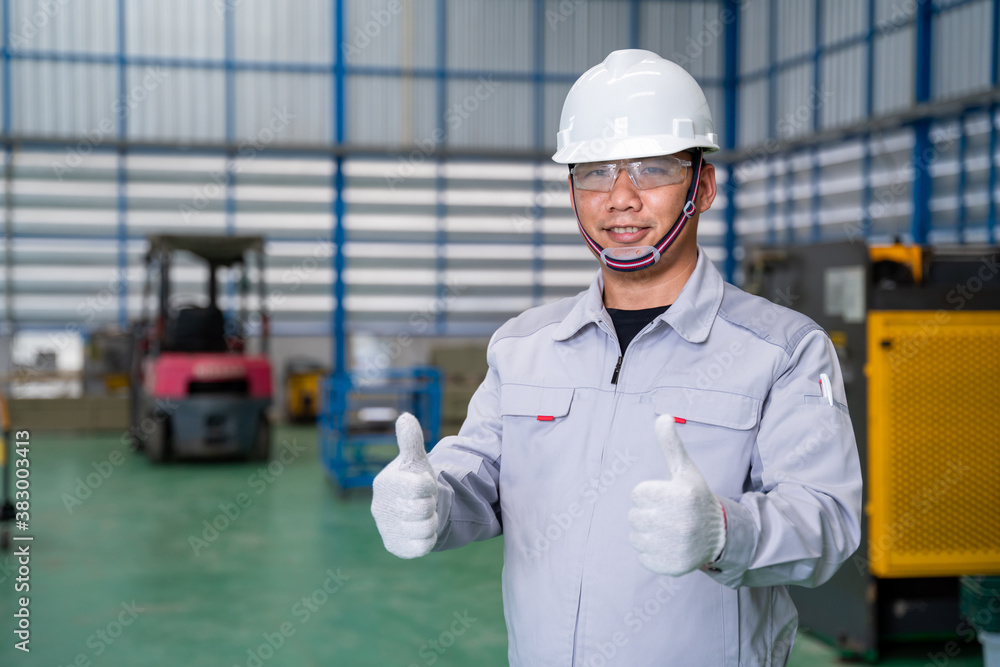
[{"x": 634, "y": 104}]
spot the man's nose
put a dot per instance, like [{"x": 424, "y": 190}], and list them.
[{"x": 624, "y": 193}]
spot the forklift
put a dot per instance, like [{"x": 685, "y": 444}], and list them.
[{"x": 196, "y": 391}]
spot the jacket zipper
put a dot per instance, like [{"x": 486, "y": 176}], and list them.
[{"x": 618, "y": 368}]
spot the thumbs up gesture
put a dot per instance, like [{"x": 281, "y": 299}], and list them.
[
  {"x": 678, "y": 523},
  {"x": 404, "y": 495}
]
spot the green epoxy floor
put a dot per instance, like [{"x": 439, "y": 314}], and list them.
[{"x": 129, "y": 543}]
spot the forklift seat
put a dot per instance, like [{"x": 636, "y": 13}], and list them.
[{"x": 196, "y": 329}]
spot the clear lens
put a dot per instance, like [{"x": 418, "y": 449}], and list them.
[{"x": 646, "y": 173}]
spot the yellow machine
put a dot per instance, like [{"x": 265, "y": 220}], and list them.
[
  {"x": 302, "y": 380},
  {"x": 933, "y": 443},
  {"x": 917, "y": 333}
]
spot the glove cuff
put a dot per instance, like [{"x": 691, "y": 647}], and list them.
[{"x": 725, "y": 532}]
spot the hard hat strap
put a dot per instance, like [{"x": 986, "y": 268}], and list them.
[{"x": 608, "y": 256}]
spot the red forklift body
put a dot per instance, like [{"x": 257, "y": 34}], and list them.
[
  {"x": 197, "y": 391},
  {"x": 172, "y": 374}
]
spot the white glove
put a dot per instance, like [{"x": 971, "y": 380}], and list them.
[
  {"x": 404, "y": 495},
  {"x": 677, "y": 524}
]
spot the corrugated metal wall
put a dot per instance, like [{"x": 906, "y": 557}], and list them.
[
  {"x": 212, "y": 72},
  {"x": 837, "y": 70},
  {"x": 258, "y": 89},
  {"x": 259, "y": 76}
]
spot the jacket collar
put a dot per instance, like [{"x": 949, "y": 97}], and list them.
[{"x": 691, "y": 315}]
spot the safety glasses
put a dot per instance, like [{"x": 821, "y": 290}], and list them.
[{"x": 645, "y": 173}]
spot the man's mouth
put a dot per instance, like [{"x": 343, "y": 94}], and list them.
[{"x": 624, "y": 234}]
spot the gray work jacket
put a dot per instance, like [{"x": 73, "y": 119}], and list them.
[{"x": 551, "y": 450}]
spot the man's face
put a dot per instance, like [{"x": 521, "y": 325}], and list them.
[{"x": 628, "y": 216}]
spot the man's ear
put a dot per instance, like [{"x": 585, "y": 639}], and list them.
[
  {"x": 706, "y": 188},
  {"x": 572, "y": 199}
]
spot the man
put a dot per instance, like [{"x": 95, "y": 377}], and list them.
[{"x": 663, "y": 452}]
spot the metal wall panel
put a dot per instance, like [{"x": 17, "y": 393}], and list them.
[
  {"x": 752, "y": 122},
  {"x": 490, "y": 113},
  {"x": 838, "y": 207},
  {"x": 755, "y": 36},
  {"x": 796, "y": 28},
  {"x": 554, "y": 96},
  {"x": 56, "y": 192},
  {"x": 891, "y": 181},
  {"x": 175, "y": 104},
  {"x": 796, "y": 103},
  {"x": 894, "y": 73},
  {"x": 375, "y": 110},
  {"x": 179, "y": 29},
  {"x": 890, "y": 14},
  {"x": 784, "y": 199},
  {"x": 386, "y": 34},
  {"x": 425, "y": 33},
  {"x": 73, "y": 26},
  {"x": 275, "y": 108},
  {"x": 290, "y": 31},
  {"x": 423, "y": 116},
  {"x": 960, "y": 201},
  {"x": 394, "y": 111},
  {"x": 169, "y": 193},
  {"x": 277, "y": 46},
  {"x": 579, "y": 35},
  {"x": 716, "y": 98},
  {"x": 842, "y": 92},
  {"x": 486, "y": 248},
  {"x": 691, "y": 34},
  {"x": 844, "y": 19},
  {"x": 72, "y": 287},
  {"x": 976, "y": 193},
  {"x": 64, "y": 99},
  {"x": 481, "y": 229},
  {"x": 488, "y": 35},
  {"x": 961, "y": 37}
]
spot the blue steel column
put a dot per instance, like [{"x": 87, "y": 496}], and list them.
[
  {"x": 122, "y": 194},
  {"x": 866, "y": 161},
  {"x": 920, "y": 223},
  {"x": 7, "y": 88},
  {"x": 772, "y": 117},
  {"x": 538, "y": 185},
  {"x": 229, "y": 25},
  {"x": 732, "y": 36},
  {"x": 991, "y": 215},
  {"x": 789, "y": 200},
  {"x": 991, "y": 219},
  {"x": 338, "y": 325},
  {"x": 440, "y": 182},
  {"x": 8, "y": 321},
  {"x": 814, "y": 172},
  {"x": 962, "y": 141},
  {"x": 634, "y": 24},
  {"x": 230, "y": 111}
]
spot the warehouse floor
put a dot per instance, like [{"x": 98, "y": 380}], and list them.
[{"x": 125, "y": 572}]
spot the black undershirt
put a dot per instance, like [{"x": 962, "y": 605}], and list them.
[{"x": 628, "y": 323}]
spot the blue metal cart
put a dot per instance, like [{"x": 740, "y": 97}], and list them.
[{"x": 357, "y": 420}]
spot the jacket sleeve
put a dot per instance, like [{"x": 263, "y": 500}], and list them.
[
  {"x": 801, "y": 521},
  {"x": 468, "y": 470}
]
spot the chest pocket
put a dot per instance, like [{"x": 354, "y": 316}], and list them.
[
  {"x": 539, "y": 403},
  {"x": 719, "y": 432},
  {"x": 536, "y": 433},
  {"x": 705, "y": 406}
]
